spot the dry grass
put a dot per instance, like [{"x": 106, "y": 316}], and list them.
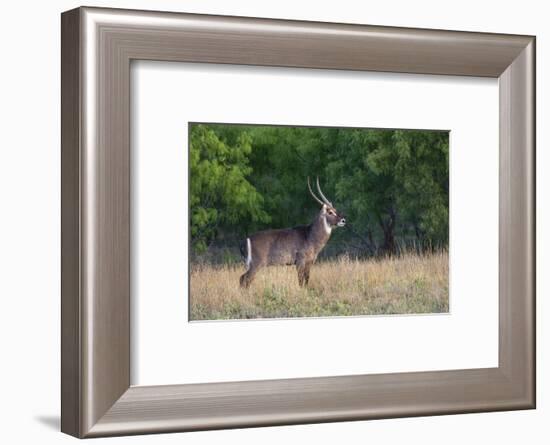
[{"x": 404, "y": 285}]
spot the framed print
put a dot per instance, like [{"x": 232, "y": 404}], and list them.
[{"x": 254, "y": 212}]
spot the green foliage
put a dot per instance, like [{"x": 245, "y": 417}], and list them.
[
  {"x": 220, "y": 194},
  {"x": 395, "y": 186},
  {"x": 391, "y": 184}
]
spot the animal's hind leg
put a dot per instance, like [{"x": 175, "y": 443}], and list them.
[{"x": 248, "y": 276}]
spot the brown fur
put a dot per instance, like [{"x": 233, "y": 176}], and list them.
[{"x": 298, "y": 246}]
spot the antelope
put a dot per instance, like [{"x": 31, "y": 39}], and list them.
[{"x": 297, "y": 246}]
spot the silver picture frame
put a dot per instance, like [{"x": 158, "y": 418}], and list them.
[{"x": 97, "y": 46}]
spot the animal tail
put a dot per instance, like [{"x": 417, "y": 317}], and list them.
[{"x": 246, "y": 252}]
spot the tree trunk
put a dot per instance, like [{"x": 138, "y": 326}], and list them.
[
  {"x": 389, "y": 241},
  {"x": 388, "y": 228}
]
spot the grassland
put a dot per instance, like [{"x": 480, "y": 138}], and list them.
[{"x": 409, "y": 284}]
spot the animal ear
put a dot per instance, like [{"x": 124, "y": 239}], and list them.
[{"x": 324, "y": 209}]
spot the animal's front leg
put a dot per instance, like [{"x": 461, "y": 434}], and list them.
[
  {"x": 303, "y": 267},
  {"x": 306, "y": 273}
]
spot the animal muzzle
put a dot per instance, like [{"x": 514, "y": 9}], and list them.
[{"x": 342, "y": 222}]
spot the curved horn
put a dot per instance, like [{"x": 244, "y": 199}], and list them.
[
  {"x": 321, "y": 193},
  {"x": 313, "y": 194}
]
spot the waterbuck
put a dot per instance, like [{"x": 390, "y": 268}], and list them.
[{"x": 298, "y": 246}]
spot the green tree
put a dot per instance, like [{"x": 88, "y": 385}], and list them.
[
  {"x": 391, "y": 184},
  {"x": 220, "y": 194},
  {"x": 395, "y": 184}
]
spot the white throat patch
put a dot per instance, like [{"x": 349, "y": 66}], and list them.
[{"x": 328, "y": 229}]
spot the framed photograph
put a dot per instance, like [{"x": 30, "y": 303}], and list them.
[
  {"x": 382, "y": 264},
  {"x": 270, "y": 222}
]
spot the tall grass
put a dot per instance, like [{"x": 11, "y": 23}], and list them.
[{"x": 398, "y": 285}]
